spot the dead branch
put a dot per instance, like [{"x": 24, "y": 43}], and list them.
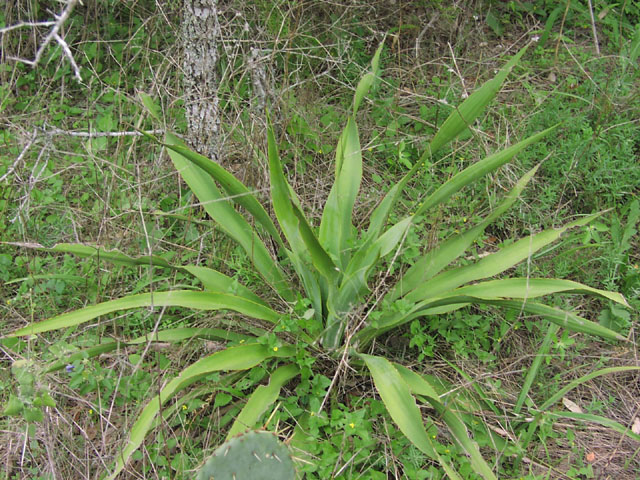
[{"x": 52, "y": 35}]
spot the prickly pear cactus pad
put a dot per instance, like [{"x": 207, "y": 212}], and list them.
[{"x": 251, "y": 456}]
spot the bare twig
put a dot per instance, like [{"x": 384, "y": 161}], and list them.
[
  {"x": 564, "y": 17},
  {"x": 433, "y": 20},
  {"x": 15, "y": 163},
  {"x": 34, "y": 178},
  {"x": 53, "y": 131},
  {"x": 52, "y": 35},
  {"x": 59, "y": 131},
  {"x": 465, "y": 94},
  {"x": 25, "y": 25},
  {"x": 593, "y": 28},
  {"x": 67, "y": 52},
  {"x": 56, "y": 28}
]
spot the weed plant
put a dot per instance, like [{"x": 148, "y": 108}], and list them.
[
  {"x": 342, "y": 426},
  {"x": 330, "y": 308}
]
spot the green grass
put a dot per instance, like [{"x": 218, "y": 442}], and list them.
[{"x": 111, "y": 192}]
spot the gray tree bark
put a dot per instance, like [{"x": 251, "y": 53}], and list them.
[{"x": 201, "y": 31}]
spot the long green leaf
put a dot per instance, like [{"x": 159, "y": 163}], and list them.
[
  {"x": 262, "y": 397},
  {"x": 174, "y": 335},
  {"x": 356, "y": 275},
  {"x": 466, "y": 405},
  {"x": 420, "y": 386},
  {"x": 579, "y": 381},
  {"x": 89, "y": 251},
  {"x": 150, "y": 105},
  {"x": 461, "y": 435},
  {"x": 380, "y": 214},
  {"x": 402, "y": 407},
  {"x": 171, "y": 335},
  {"x": 607, "y": 422},
  {"x": 440, "y": 305},
  {"x": 477, "y": 171},
  {"x": 216, "y": 282},
  {"x": 491, "y": 265},
  {"x": 48, "y": 276},
  {"x": 558, "y": 316},
  {"x": 336, "y": 229},
  {"x": 396, "y": 396},
  {"x": 366, "y": 257},
  {"x": 354, "y": 284},
  {"x": 446, "y": 392},
  {"x": 365, "y": 82},
  {"x": 533, "y": 287},
  {"x": 462, "y": 179},
  {"x": 176, "y": 298},
  {"x": 224, "y": 214},
  {"x": 463, "y": 116},
  {"x": 294, "y": 225},
  {"x": 533, "y": 370},
  {"x": 347, "y": 186},
  {"x": 236, "y": 358},
  {"x": 212, "y": 280},
  {"x": 417, "y": 384},
  {"x": 234, "y": 188},
  {"x": 319, "y": 256},
  {"x": 434, "y": 261},
  {"x": 429, "y": 293},
  {"x": 456, "y": 123}
]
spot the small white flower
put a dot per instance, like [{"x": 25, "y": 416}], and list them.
[
  {"x": 476, "y": 17},
  {"x": 464, "y": 95},
  {"x": 535, "y": 38}
]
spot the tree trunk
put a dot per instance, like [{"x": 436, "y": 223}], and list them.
[{"x": 201, "y": 31}]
